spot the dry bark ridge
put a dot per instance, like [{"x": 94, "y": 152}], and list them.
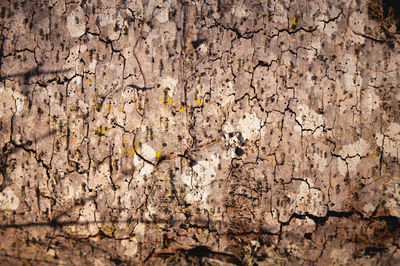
[{"x": 199, "y": 132}]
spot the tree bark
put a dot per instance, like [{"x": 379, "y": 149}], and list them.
[{"x": 199, "y": 132}]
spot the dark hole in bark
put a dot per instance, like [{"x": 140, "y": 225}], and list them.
[
  {"x": 192, "y": 163},
  {"x": 239, "y": 151},
  {"x": 372, "y": 251},
  {"x": 197, "y": 43},
  {"x": 307, "y": 235}
]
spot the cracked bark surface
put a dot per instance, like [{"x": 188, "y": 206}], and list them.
[{"x": 165, "y": 132}]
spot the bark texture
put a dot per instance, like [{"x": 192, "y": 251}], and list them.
[{"x": 199, "y": 132}]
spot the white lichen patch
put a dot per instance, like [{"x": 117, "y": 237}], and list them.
[
  {"x": 353, "y": 163},
  {"x": 112, "y": 17},
  {"x": 309, "y": 200},
  {"x": 249, "y": 126},
  {"x": 203, "y": 48},
  {"x": 393, "y": 131},
  {"x": 147, "y": 169},
  {"x": 75, "y": 22},
  {"x": 390, "y": 140},
  {"x": 130, "y": 247},
  {"x": 153, "y": 5},
  {"x": 306, "y": 224},
  {"x": 169, "y": 83},
  {"x": 88, "y": 215},
  {"x": 321, "y": 162},
  {"x": 270, "y": 222},
  {"x": 370, "y": 102},
  {"x": 92, "y": 66},
  {"x": 309, "y": 119},
  {"x": 72, "y": 61},
  {"x": 8, "y": 199},
  {"x": 128, "y": 93},
  {"x": 162, "y": 15},
  {"x": 19, "y": 101},
  {"x": 199, "y": 180},
  {"x": 339, "y": 256},
  {"x": 393, "y": 194},
  {"x": 108, "y": 17},
  {"x": 126, "y": 199},
  {"x": 369, "y": 208},
  {"x": 239, "y": 11},
  {"x": 342, "y": 166},
  {"x": 393, "y": 207},
  {"x": 83, "y": 106},
  {"x": 6, "y": 95},
  {"x": 169, "y": 32},
  {"x": 391, "y": 147},
  {"x": 227, "y": 128},
  {"x": 360, "y": 147},
  {"x": 147, "y": 152},
  {"x": 97, "y": 179},
  {"x": 229, "y": 92},
  {"x": 140, "y": 229}
]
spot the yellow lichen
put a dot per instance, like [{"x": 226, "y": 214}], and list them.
[
  {"x": 130, "y": 152},
  {"x": 198, "y": 101},
  {"x": 267, "y": 16},
  {"x": 374, "y": 154},
  {"x": 294, "y": 22},
  {"x": 137, "y": 145},
  {"x": 166, "y": 101},
  {"x": 100, "y": 131}
]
